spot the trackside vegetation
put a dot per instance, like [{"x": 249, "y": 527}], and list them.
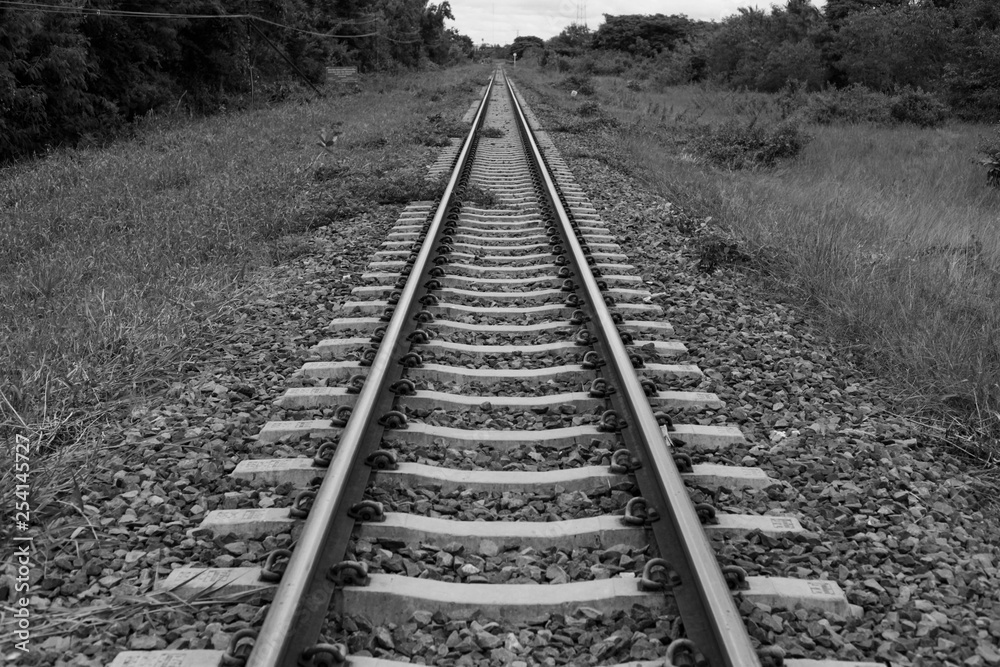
[
  {"x": 74, "y": 73},
  {"x": 115, "y": 261},
  {"x": 868, "y": 206}
]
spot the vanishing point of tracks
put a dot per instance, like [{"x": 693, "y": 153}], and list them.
[{"x": 483, "y": 336}]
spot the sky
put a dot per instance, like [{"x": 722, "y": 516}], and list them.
[{"x": 500, "y": 21}]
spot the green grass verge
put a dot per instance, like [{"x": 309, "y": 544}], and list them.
[
  {"x": 110, "y": 258},
  {"x": 888, "y": 234}
]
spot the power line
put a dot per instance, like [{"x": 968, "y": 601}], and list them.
[{"x": 94, "y": 11}]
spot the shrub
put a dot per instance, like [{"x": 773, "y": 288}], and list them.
[
  {"x": 591, "y": 120},
  {"x": 990, "y": 149},
  {"x": 672, "y": 68},
  {"x": 972, "y": 84},
  {"x": 791, "y": 62},
  {"x": 580, "y": 83},
  {"x": 751, "y": 146},
  {"x": 916, "y": 106},
  {"x": 855, "y": 104},
  {"x": 609, "y": 63}
]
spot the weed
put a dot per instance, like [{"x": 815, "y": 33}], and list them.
[
  {"x": 581, "y": 83},
  {"x": 858, "y": 104},
  {"x": 329, "y": 172},
  {"x": 411, "y": 185},
  {"x": 736, "y": 145},
  {"x": 479, "y": 196},
  {"x": 112, "y": 258},
  {"x": 990, "y": 149},
  {"x": 287, "y": 248},
  {"x": 589, "y": 109},
  {"x": 883, "y": 231},
  {"x": 437, "y": 131},
  {"x": 373, "y": 142},
  {"x": 434, "y": 139},
  {"x": 590, "y": 125},
  {"x": 328, "y": 138},
  {"x": 855, "y": 104},
  {"x": 715, "y": 251},
  {"x": 492, "y": 132}
]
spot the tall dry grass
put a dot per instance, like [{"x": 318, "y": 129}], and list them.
[{"x": 890, "y": 234}]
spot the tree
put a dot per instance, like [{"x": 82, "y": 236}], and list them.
[
  {"x": 792, "y": 62},
  {"x": 44, "y": 79},
  {"x": 574, "y": 38},
  {"x": 522, "y": 43},
  {"x": 71, "y": 69},
  {"x": 838, "y": 10},
  {"x": 657, "y": 32},
  {"x": 461, "y": 46},
  {"x": 768, "y": 51},
  {"x": 133, "y": 56},
  {"x": 437, "y": 45},
  {"x": 798, "y": 20},
  {"x": 895, "y": 46},
  {"x": 972, "y": 77}
]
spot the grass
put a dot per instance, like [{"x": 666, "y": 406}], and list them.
[
  {"x": 112, "y": 258},
  {"x": 888, "y": 234}
]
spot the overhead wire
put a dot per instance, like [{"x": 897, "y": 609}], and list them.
[{"x": 95, "y": 11}]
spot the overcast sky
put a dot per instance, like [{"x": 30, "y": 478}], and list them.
[{"x": 500, "y": 21}]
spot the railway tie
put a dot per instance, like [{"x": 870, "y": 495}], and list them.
[{"x": 486, "y": 334}]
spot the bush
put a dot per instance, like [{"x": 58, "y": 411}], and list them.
[
  {"x": 972, "y": 84},
  {"x": 563, "y": 64},
  {"x": 916, "y": 106},
  {"x": 990, "y": 149},
  {"x": 752, "y": 146},
  {"x": 791, "y": 62},
  {"x": 609, "y": 63},
  {"x": 859, "y": 104},
  {"x": 672, "y": 68},
  {"x": 588, "y": 109},
  {"x": 580, "y": 83},
  {"x": 855, "y": 104}
]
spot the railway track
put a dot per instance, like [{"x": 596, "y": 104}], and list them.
[{"x": 497, "y": 435}]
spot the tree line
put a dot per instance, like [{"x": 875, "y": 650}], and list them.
[
  {"x": 70, "y": 70},
  {"x": 948, "y": 48}
]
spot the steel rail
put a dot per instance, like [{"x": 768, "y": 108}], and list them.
[
  {"x": 298, "y": 600},
  {"x": 706, "y": 604}
]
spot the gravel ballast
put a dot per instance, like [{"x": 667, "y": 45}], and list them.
[
  {"x": 165, "y": 466},
  {"x": 904, "y": 526}
]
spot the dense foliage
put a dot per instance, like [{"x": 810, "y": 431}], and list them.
[
  {"x": 69, "y": 71},
  {"x": 931, "y": 56},
  {"x": 523, "y": 43},
  {"x": 735, "y": 145},
  {"x": 642, "y": 35}
]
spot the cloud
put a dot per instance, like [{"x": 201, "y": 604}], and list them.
[{"x": 500, "y": 21}]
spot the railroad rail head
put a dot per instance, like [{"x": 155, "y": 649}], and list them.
[{"x": 710, "y": 617}]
